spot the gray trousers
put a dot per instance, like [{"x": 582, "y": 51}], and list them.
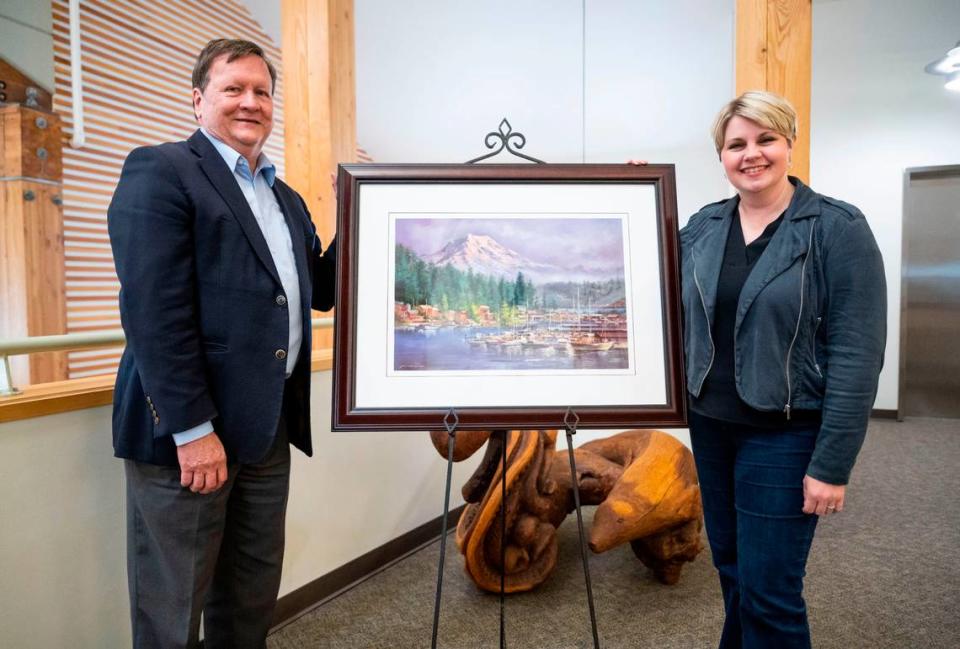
[{"x": 220, "y": 554}]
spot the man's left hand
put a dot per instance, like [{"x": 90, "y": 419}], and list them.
[{"x": 821, "y": 498}]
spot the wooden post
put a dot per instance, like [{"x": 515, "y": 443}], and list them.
[
  {"x": 773, "y": 53},
  {"x": 319, "y": 106},
  {"x": 32, "y": 276}
]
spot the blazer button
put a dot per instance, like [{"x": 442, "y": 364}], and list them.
[
  {"x": 280, "y": 354},
  {"x": 282, "y": 300}
]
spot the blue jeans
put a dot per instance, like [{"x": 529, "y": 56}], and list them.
[{"x": 751, "y": 481}]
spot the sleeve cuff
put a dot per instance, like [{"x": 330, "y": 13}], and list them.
[{"x": 193, "y": 434}]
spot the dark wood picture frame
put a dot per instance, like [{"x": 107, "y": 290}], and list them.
[{"x": 352, "y": 178}]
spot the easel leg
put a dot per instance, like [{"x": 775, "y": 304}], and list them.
[
  {"x": 583, "y": 541},
  {"x": 503, "y": 534},
  {"x": 451, "y": 437}
]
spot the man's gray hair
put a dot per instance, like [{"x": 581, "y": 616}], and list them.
[{"x": 234, "y": 49}]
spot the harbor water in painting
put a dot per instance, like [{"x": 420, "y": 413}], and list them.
[{"x": 531, "y": 293}]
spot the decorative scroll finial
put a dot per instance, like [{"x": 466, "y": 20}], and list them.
[{"x": 501, "y": 139}]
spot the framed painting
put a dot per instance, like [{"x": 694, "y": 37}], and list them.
[{"x": 514, "y": 295}]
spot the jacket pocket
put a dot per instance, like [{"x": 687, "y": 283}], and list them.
[{"x": 813, "y": 347}]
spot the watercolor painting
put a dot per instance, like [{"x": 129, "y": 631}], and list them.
[{"x": 510, "y": 293}]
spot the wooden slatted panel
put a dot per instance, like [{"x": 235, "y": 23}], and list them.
[{"x": 138, "y": 58}]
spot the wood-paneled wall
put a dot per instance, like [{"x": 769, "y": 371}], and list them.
[{"x": 137, "y": 62}]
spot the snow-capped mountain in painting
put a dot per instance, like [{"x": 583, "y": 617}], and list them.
[{"x": 486, "y": 256}]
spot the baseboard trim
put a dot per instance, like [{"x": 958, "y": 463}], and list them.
[
  {"x": 883, "y": 414},
  {"x": 308, "y": 597}
]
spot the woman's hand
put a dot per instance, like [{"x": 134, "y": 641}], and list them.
[
  {"x": 638, "y": 163},
  {"x": 821, "y": 498}
]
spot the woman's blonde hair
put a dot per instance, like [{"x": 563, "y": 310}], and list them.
[{"x": 765, "y": 108}]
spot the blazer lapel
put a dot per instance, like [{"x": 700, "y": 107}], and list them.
[
  {"x": 223, "y": 180},
  {"x": 297, "y": 237}
]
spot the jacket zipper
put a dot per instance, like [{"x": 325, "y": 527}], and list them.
[
  {"x": 706, "y": 315},
  {"x": 796, "y": 332}
]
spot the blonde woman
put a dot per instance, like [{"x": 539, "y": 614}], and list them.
[{"x": 785, "y": 324}]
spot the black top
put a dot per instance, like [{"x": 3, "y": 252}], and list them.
[{"x": 718, "y": 397}]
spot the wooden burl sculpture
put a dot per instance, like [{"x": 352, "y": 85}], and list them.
[{"x": 643, "y": 482}]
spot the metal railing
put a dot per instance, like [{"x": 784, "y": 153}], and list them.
[{"x": 70, "y": 342}]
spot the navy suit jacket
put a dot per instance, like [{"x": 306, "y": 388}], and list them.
[{"x": 203, "y": 308}]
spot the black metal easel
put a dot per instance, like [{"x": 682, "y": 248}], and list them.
[
  {"x": 570, "y": 421},
  {"x": 500, "y": 140},
  {"x": 450, "y": 421}
]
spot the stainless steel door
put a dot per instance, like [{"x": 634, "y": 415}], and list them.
[{"x": 930, "y": 300}]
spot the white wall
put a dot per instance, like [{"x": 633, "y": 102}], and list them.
[
  {"x": 26, "y": 38},
  {"x": 63, "y": 530},
  {"x": 358, "y": 491},
  {"x": 657, "y": 73},
  {"x": 876, "y": 113},
  {"x": 267, "y": 15},
  {"x": 62, "y": 534},
  {"x": 434, "y": 77}
]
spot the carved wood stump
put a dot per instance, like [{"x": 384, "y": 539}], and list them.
[{"x": 643, "y": 483}]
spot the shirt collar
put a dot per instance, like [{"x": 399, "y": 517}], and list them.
[{"x": 238, "y": 164}]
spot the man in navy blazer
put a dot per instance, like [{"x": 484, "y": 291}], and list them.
[{"x": 219, "y": 266}]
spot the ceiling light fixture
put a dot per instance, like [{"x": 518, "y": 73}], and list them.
[
  {"x": 949, "y": 67},
  {"x": 953, "y": 82}
]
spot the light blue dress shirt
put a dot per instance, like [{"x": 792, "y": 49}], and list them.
[{"x": 257, "y": 189}]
